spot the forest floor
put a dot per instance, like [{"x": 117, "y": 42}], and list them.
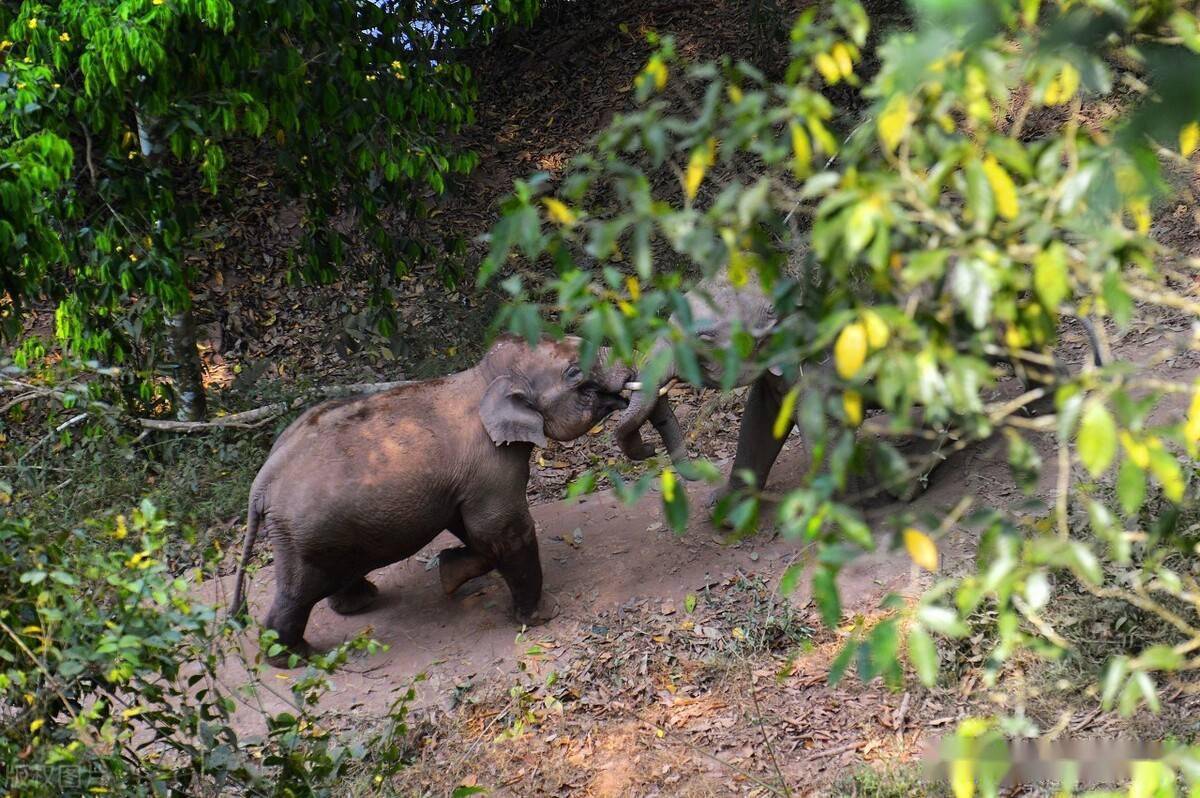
[{"x": 675, "y": 667}]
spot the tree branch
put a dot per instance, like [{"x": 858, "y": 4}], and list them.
[{"x": 248, "y": 419}]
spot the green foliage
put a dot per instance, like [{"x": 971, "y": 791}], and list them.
[
  {"x": 119, "y": 117},
  {"x": 952, "y": 228},
  {"x": 109, "y": 679}
]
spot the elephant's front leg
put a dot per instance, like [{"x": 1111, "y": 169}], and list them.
[
  {"x": 758, "y": 448},
  {"x": 512, "y": 545}
]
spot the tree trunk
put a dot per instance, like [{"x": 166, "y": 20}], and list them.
[{"x": 192, "y": 404}]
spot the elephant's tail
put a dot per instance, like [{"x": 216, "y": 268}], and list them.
[{"x": 253, "y": 519}]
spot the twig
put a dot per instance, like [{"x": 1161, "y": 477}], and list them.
[
  {"x": 46, "y": 438},
  {"x": 758, "y": 717},
  {"x": 841, "y": 749}
]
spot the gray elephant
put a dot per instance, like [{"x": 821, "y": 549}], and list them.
[
  {"x": 356, "y": 484},
  {"x": 718, "y": 310}
]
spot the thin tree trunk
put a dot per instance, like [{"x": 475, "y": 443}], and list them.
[
  {"x": 181, "y": 330},
  {"x": 185, "y": 362}
]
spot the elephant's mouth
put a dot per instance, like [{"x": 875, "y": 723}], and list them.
[{"x": 607, "y": 403}]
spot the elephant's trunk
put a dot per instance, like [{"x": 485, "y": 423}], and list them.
[{"x": 647, "y": 405}]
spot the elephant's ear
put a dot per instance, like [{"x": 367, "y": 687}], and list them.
[{"x": 508, "y": 413}]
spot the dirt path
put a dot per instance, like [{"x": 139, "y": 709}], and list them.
[{"x": 597, "y": 555}]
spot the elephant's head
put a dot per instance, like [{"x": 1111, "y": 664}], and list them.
[
  {"x": 718, "y": 311},
  {"x": 541, "y": 392}
]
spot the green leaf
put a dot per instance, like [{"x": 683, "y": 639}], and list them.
[
  {"x": 1114, "y": 677},
  {"x": 1160, "y": 658},
  {"x": 689, "y": 603},
  {"x": 980, "y": 203},
  {"x": 942, "y": 620},
  {"x": 860, "y": 226},
  {"x": 1024, "y": 461},
  {"x": 1083, "y": 561},
  {"x": 787, "y": 582},
  {"x": 1166, "y": 470},
  {"x": 464, "y": 791},
  {"x": 974, "y": 283},
  {"x": 825, "y": 593},
  {"x": 675, "y": 502},
  {"x": 922, "y": 652},
  {"x": 1050, "y": 279},
  {"x": 1097, "y": 439},
  {"x": 583, "y": 484},
  {"x": 837, "y": 669},
  {"x": 1131, "y": 487}
]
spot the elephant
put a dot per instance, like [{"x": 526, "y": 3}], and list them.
[
  {"x": 718, "y": 310},
  {"x": 359, "y": 483}
]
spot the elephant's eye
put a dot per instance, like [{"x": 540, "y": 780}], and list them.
[{"x": 572, "y": 373}]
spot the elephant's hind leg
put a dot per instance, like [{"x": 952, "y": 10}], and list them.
[
  {"x": 459, "y": 565},
  {"x": 297, "y": 590},
  {"x": 356, "y": 597}
]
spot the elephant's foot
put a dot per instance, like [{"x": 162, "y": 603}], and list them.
[
  {"x": 354, "y": 598},
  {"x": 283, "y": 659},
  {"x": 923, "y": 464},
  {"x": 460, "y": 565},
  {"x": 547, "y": 609}
]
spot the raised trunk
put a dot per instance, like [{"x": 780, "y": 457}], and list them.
[{"x": 646, "y": 405}]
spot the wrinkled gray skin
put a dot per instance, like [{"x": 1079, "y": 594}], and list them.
[
  {"x": 718, "y": 310},
  {"x": 356, "y": 484}
]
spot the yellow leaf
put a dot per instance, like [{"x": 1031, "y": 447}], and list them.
[
  {"x": 656, "y": 71},
  {"x": 1003, "y": 188},
  {"x": 738, "y": 272},
  {"x": 132, "y": 712},
  {"x": 841, "y": 57},
  {"x": 894, "y": 122},
  {"x": 921, "y": 548},
  {"x": 822, "y": 136},
  {"x": 37, "y": 724},
  {"x": 559, "y": 212},
  {"x": 32, "y": 629},
  {"x": 121, "y": 530},
  {"x": 1139, "y": 453},
  {"x": 1191, "y": 430},
  {"x": 1139, "y": 209},
  {"x": 962, "y": 778},
  {"x": 702, "y": 158},
  {"x": 850, "y": 350},
  {"x": 629, "y": 310},
  {"x": 739, "y": 275},
  {"x": 1063, "y": 86},
  {"x": 668, "y": 485},
  {"x": 783, "y": 421},
  {"x": 828, "y": 68},
  {"x": 852, "y": 405},
  {"x": 735, "y": 94},
  {"x": 634, "y": 287},
  {"x": 801, "y": 151},
  {"x": 1189, "y": 138},
  {"x": 877, "y": 329}
]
